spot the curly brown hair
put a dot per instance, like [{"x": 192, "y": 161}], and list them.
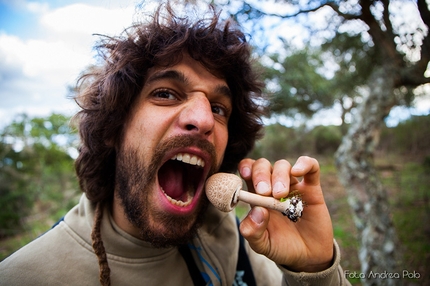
[{"x": 107, "y": 92}]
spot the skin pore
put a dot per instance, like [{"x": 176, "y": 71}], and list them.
[{"x": 173, "y": 140}]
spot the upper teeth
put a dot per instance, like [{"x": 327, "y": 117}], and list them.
[{"x": 189, "y": 159}]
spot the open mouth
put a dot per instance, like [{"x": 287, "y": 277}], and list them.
[{"x": 181, "y": 178}]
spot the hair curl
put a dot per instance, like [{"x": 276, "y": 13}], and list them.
[{"x": 107, "y": 92}]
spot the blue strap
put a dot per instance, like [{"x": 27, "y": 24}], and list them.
[
  {"x": 195, "y": 273},
  {"x": 58, "y": 222},
  {"x": 244, "y": 273}
]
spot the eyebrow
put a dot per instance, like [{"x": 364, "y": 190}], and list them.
[
  {"x": 181, "y": 78},
  {"x": 168, "y": 74}
]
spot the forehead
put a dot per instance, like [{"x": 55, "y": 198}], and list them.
[{"x": 186, "y": 69}]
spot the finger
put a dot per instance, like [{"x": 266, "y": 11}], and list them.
[
  {"x": 245, "y": 168},
  {"x": 281, "y": 179},
  {"x": 308, "y": 168},
  {"x": 253, "y": 228},
  {"x": 261, "y": 177}
]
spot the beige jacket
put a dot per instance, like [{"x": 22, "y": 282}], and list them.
[{"x": 64, "y": 256}]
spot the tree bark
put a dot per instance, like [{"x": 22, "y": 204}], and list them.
[{"x": 379, "y": 249}]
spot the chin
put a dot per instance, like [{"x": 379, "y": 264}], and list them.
[
  {"x": 164, "y": 198},
  {"x": 170, "y": 231}
]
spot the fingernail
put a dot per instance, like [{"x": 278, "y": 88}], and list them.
[
  {"x": 263, "y": 188},
  {"x": 257, "y": 215},
  {"x": 278, "y": 188},
  {"x": 246, "y": 172},
  {"x": 298, "y": 167}
]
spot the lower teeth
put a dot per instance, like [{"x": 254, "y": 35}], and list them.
[{"x": 178, "y": 203}]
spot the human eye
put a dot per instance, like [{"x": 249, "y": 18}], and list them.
[
  {"x": 164, "y": 94},
  {"x": 220, "y": 110}
]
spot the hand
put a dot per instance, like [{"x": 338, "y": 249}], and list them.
[{"x": 306, "y": 245}]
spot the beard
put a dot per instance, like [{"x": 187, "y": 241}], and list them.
[{"x": 136, "y": 181}]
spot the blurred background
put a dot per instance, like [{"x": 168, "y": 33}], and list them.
[{"x": 346, "y": 81}]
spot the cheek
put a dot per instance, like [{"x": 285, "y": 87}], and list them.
[
  {"x": 150, "y": 125},
  {"x": 221, "y": 143},
  {"x": 141, "y": 133}
]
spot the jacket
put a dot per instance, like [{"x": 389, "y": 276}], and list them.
[{"x": 64, "y": 256}]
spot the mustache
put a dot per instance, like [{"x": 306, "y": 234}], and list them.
[{"x": 181, "y": 141}]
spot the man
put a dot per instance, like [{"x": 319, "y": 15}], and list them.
[{"x": 175, "y": 102}]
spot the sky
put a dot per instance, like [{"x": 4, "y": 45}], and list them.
[{"x": 46, "y": 44}]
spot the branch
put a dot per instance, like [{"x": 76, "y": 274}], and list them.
[
  {"x": 387, "y": 21},
  {"x": 424, "y": 12},
  {"x": 340, "y": 13},
  {"x": 414, "y": 75},
  {"x": 425, "y": 47},
  {"x": 306, "y": 11},
  {"x": 385, "y": 44}
]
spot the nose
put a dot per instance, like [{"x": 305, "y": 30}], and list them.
[{"x": 197, "y": 116}]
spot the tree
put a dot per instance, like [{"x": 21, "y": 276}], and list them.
[
  {"x": 354, "y": 60},
  {"x": 36, "y": 169},
  {"x": 402, "y": 47},
  {"x": 301, "y": 83},
  {"x": 291, "y": 76}
]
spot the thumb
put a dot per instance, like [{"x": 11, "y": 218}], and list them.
[{"x": 254, "y": 228}]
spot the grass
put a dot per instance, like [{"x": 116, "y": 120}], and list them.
[
  {"x": 407, "y": 183},
  {"x": 408, "y": 186}
]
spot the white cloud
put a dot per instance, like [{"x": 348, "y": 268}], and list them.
[
  {"x": 56, "y": 60},
  {"x": 36, "y": 7},
  {"x": 86, "y": 19},
  {"x": 35, "y": 72}
]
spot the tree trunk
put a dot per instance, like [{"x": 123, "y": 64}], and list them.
[{"x": 379, "y": 251}]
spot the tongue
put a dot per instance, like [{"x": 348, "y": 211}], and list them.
[{"x": 171, "y": 180}]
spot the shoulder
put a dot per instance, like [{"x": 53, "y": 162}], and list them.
[{"x": 47, "y": 259}]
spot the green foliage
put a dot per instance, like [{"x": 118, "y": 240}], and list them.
[
  {"x": 309, "y": 79},
  {"x": 15, "y": 202},
  {"x": 300, "y": 85},
  {"x": 35, "y": 169},
  {"x": 326, "y": 139},
  {"x": 353, "y": 60},
  {"x": 280, "y": 141},
  {"x": 408, "y": 137}
]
